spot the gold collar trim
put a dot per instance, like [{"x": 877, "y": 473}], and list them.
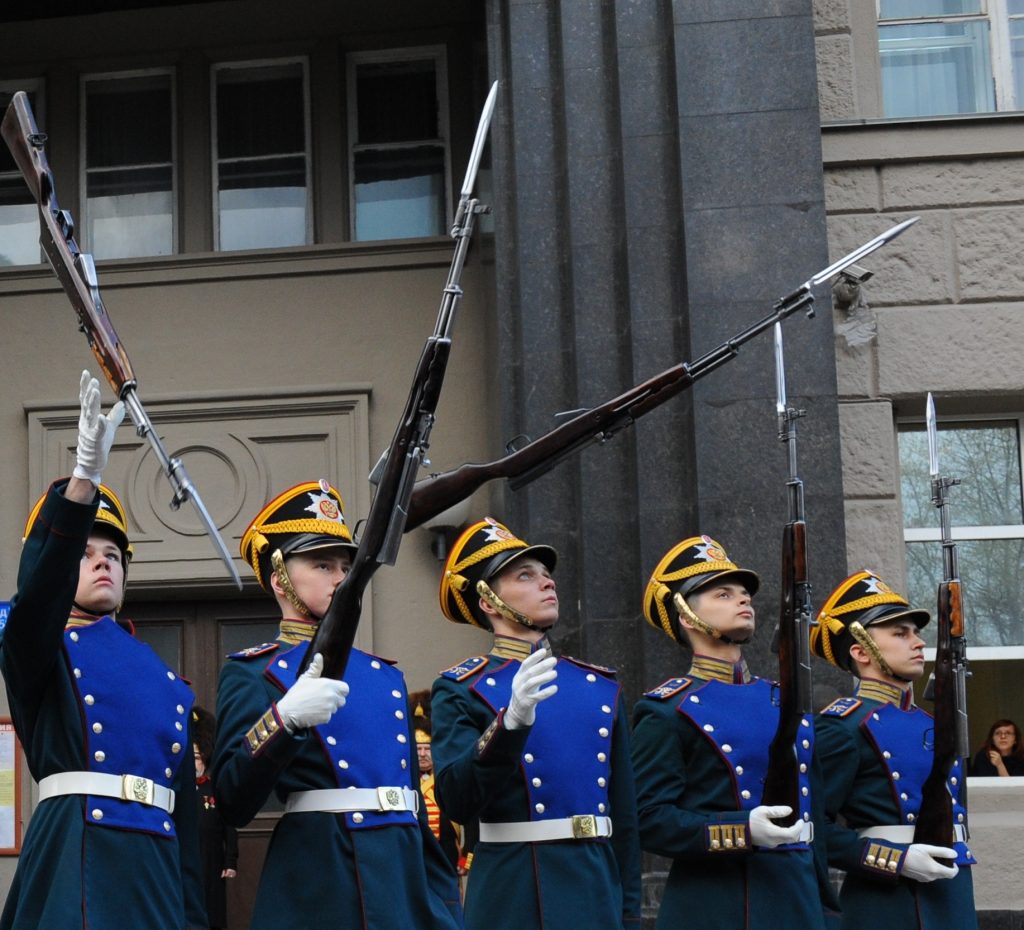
[
  {"x": 297, "y": 631},
  {"x": 508, "y": 647},
  {"x": 882, "y": 691},
  {"x": 80, "y": 620},
  {"x": 709, "y": 668}
]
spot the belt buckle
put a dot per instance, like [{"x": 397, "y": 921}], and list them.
[
  {"x": 137, "y": 788},
  {"x": 390, "y": 799},
  {"x": 584, "y": 826}
]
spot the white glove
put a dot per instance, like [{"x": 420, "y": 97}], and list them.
[
  {"x": 312, "y": 700},
  {"x": 763, "y": 832},
  {"x": 920, "y": 865},
  {"x": 537, "y": 670},
  {"x": 95, "y": 431}
]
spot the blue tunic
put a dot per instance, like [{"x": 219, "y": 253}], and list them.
[
  {"x": 875, "y": 754},
  {"x": 92, "y": 698},
  {"x": 574, "y": 760},
  {"x": 375, "y": 871},
  {"x": 700, "y": 752}
]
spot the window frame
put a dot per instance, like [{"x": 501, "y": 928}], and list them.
[
  {"x": 996, "y": 13},
  {"x": 82, "y": 215},
  {"x": 37, "y": 87},
  {"x": 970, "y": 533},
  {"x": 251, "y": 64},
  {"x": 439, "y": 55}
]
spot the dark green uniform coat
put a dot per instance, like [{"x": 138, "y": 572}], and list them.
[
  {"x": 135, "y": 865},
  {"x": 875, "y": 756},
  {"x": 372, "y": 871},
  {"x": 573, "y": 760},
  {"x": 696, "y": 781}
]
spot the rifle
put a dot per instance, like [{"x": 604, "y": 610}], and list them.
[
  {"x": 437, "y": 493},
  {"x": 76, "y": 272},
  {"x": 935, "y": 818},
  {"x": 782, "y": 780},
  {"x": 395, "y": 472}
]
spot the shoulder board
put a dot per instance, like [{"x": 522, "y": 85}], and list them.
[
  {"x": 253, "y": 651},
  {"x": 669, "y": 688},
  {"x": 465, "y": 668},
  {"x": 607, "y": 672},
  {"x": 841, "y": 707}
]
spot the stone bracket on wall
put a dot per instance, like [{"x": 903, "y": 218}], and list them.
[{"x": 240, "y": 449}]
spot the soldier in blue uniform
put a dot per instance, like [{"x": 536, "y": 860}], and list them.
[
  {"x": 700, "y": 753},
  {"x": 354, "y": 848},
  {"x": 103, "y": 722},
  {"x": 534, "y": 748},
  {"x": 876, "y": 752}
]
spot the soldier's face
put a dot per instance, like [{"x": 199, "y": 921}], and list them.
[
  {"x": 100, "y": 577},
  {"x": 901, "y": 646},
  {"x": 727, "y": 607},
  {"x": 526, "y": 585},
  {"x": 426, "y": 763},
  {"x": 315, "y": 575}
]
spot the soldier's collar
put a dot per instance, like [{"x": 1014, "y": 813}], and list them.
[
  {"x": 508, "y": 647},
  {"x": 79, "y": 618},
  {"x": 886, "y": 693},
  {"x": 710, "y": 668},
  {"x": 295, "y": 631}
]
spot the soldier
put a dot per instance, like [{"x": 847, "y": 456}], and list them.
[
  {"x": 543, "y": 766},
  {"x": 876, "y": 752},
  {"x": 700, "y": 753},
  {"x": 353, "y": 848},
  {"x": 104, "y": 723},
  {"x": 443, "y": 829}
]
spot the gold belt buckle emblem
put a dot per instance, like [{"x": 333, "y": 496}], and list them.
[
  {"x": 584, "y": 826},
  {"x": 137, "y": 788},
  {"x": 390, "y": 799}
]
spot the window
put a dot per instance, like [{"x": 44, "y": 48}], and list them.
[
  {"x": 261, "y": 158},
  {"x": 128, "y": 158},
  {"x": 398, "y": 130},
  {"x": 945, "y": 57},
  {"x": 19, "y": 216},
  {"x": 987, "y": 516}
]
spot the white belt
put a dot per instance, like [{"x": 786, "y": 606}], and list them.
[
  {"x": 580, "y": 827},
  {"x": 342, "y": 800},
  {"x": 904, "y": 833},
  {"x": 100, "y": 784}
]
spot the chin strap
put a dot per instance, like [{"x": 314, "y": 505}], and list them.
[
  {"x": 277, "y": 563},
  {"x": 702, "y": 625},
  {"x": 509, "y": 613},
  {"x": 865, "y": 641}
]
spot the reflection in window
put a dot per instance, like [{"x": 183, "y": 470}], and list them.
[
  {"x": 262, "y": 161},
  {"x": 129, "y": 166},
  {"x": 987, "y": 514},
  {"x": 399, "y": 152},
  {"x": 19, "y": 216}
]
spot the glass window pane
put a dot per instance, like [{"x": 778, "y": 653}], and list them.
[
  {"x": 262, "y": 165},
  {"x": 19, "y": 223},
  {"x": 399, "y": 193},
  {"x": 936, "y": 69},
  {"x": 1017, "y": 58},
  {"x": 906, "y": 9},
  {"x": 992, "y": 572},
  {"x": 396, "y": 102},
  {"x": 1015, "y": 7},
  {"x": 986, "y": 459},
  {"x": 129, "y": 167},
  {"x": 234, "y": 637}
]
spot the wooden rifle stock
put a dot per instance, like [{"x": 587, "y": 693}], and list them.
[
  {"x": 782, "y": 780},
  {"x": 935, "y": 818}
]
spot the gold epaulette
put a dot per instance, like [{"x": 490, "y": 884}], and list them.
[
  {"x": 882, "y": 858},
  {"x": 726, "y": 837},
  {"x": 262, "y": 732}
]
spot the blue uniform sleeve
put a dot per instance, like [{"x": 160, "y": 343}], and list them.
[
  {"x": 474, "y": 754},
  {"x": 243, "y": 776},
  {"x": 625, "y": 831},
  {"x": 667, "y": 827}
]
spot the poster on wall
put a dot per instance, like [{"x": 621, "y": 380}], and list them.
[{"x": 10, "y": 789}]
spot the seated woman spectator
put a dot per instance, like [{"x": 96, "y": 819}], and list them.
[{"x": 1003, "y": 752}]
